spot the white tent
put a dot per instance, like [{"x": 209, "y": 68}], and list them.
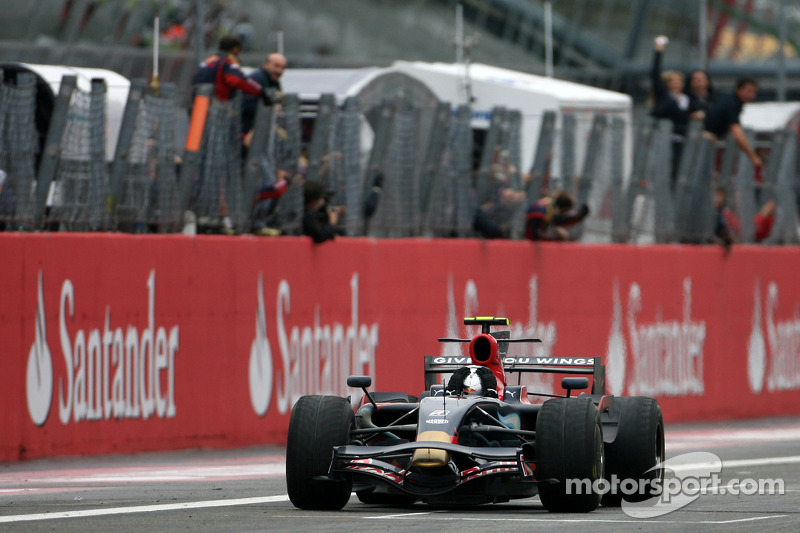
[
  {"x": 489, "y": 86},
  {"x": 117, "y": 88},
  {"x": 769, "y": 117}
]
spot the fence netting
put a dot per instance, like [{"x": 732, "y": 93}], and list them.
[
  {"x": 423, "y": 168},
  {"x": 18, "y": 150},
  {"x": 149, "y": 195},
  {"x": 77, "y": 199}
]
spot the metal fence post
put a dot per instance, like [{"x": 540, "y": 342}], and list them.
[
  {"x": 540, "y": 168},
  {"x": 568, "y": 127},
  {"x": 258, "y": 156},
  {"x": 491, "y": 145},
  {"x": 380, "y": 147},
  {"x": 433, "y": 161},
  {"x": 319, "y": 146},
  {"x": 590, "y": 165},
  {"x": 630, "y": 224},
  {"x": 168, "y": 215},
  {"x": 620, "y": 209},
  {"x": 661, "y": 171},
  {"x": 124, "y": 142},
  {"x": 97, "y": 214},
  {"x": 52, "y": 146},
  {"x": 191, "y": 154},
  {"x": 785, "y": 228}
]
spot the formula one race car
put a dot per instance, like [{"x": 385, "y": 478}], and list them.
[{"x": 478, "y": 439}]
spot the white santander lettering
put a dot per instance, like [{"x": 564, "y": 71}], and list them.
[
  {"x": 114, "y": 374},
  {"x": 784, "y": 346},
  {"x": 667, "y": 355},
  {"x": 318, "y": 358},
  {"x": 65, "y": 401}
]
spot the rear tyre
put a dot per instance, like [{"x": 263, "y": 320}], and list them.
[
  {"x": 637, "y": 449},
  {"x": 569, "y": 446},
  {"x": 317, "y": 424}
]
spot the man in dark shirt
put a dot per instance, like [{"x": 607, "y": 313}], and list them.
[
  {"x": 269, "y": 77},
  {"x": 723, "y": 116},
  {"x": 320, "y": 221}
]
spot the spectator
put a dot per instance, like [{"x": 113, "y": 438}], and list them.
[
  {"x": 700, "y": 92},
  {"x": 265, "y": 212},
  {"x": 547, "y": 219},
  {"x": 320, "y": 221},
  {"x": 764, "y": 220},
  {"x": 723, "y": 117},
  {"x": 268, "y": 76},
  {"x": 727, "y": 226},
  {"x": 374, "y": 196},
  {"x": 492, "y": 219},
  {"x": 670, "y": 101},
  {"x": 222, "y": 70},
  {"x": 726, "y": 223}
]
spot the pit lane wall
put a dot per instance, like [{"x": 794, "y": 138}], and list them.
[{"x": 119, "y": 343}]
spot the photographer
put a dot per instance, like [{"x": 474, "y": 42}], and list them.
[
  {"x": 549, "y": 218},
  {"x": 320, "y": 221}
]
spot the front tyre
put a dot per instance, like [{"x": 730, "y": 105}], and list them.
[
  {"x": 316, "y": 426},
  {"x": 569, "y": 450}
]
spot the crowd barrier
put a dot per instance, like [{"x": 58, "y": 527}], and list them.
[
  {"x": 432, "y": 172},
  {"x": 116, "y": 343}
]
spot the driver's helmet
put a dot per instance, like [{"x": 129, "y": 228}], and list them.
[{"x": 472, "y": 383}]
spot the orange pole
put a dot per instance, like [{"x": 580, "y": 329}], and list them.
[{"x": 197, "y": 123}]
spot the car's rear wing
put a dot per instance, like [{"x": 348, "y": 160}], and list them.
[{"x": 586, "y": 366}]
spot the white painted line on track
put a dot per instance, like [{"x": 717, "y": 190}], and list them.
[
  {"x": 726, "y": 437},
  {"x": 284, "y": 497},
  {"x": 149, "y": 474},
  {"x": 142, "y": 509},
  {"x": 539, "y": 519},
  {"x": 736, "y": 521},
  {"x": 737, "y": 463},
  {"x": 401, "y": 515}
]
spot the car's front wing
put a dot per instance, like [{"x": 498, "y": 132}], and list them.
[{"x": 388, "y": 465}]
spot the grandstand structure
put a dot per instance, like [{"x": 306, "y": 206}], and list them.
[{"x": 598, "y": 42}]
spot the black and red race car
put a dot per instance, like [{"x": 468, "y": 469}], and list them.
[{"x": 478, "y": 439}]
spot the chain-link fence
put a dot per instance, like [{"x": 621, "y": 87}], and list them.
[
  {"x": 77, "y": 198},
  {"x": 144, "y": 178},
  {"x": 435, "y": 176},
  {"x": 18, "y": 149}
]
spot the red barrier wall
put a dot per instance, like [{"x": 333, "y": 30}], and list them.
[{"x": 119, "y": 343}]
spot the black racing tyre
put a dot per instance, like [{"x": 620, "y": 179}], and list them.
[
  {"x": 382, "y": 498},
  {"x": 569, "y": 446},
  {"x": 317, "y": 424},
  {"x": 636, "y": 450}
]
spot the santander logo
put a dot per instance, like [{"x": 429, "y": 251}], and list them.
[
  {"x": 314, "y": 359},
  {"x": 660, "y": 357},
  {"x": 39, "y": 382},
  {"x": 106, "y": 372},
  {"x": 774, "y": 345}
]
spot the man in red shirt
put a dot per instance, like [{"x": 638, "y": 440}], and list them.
[{"x": 222, "y": 69}]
